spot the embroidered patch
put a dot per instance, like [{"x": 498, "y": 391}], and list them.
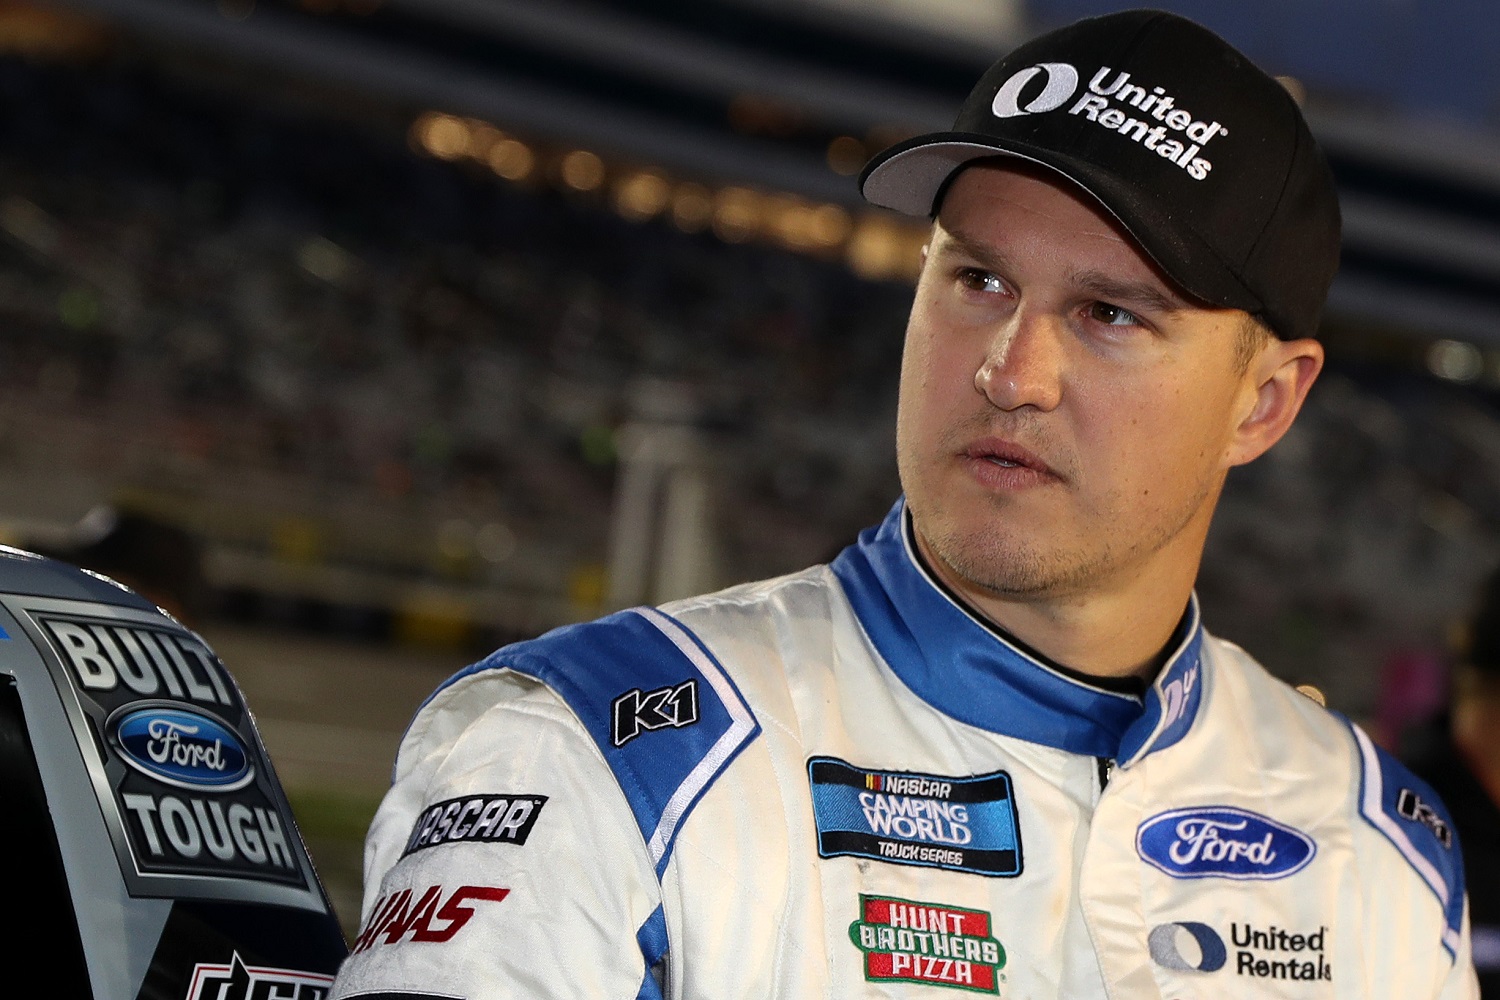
[
  {"x": 506, "y": 819},
  {"x": 1222, "y": 842},
  {"x": 435, "y": 915},
  {"x": 927, "y": 943},
  {"x": 1409, "y": 805},
  {"x": 1260, "y": 952},
  {"x": 637, "y": 711},
  {"x": 963, "y": 824}
]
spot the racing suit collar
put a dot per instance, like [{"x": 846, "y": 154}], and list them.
[{"x": 946, "y": 655}]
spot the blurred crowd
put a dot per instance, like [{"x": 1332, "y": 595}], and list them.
[
  {"x": 281, "y": 327},
  {"x": 203, "y": 295}
]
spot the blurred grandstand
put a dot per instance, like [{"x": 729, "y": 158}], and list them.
[{"x": 423, "y": 316}]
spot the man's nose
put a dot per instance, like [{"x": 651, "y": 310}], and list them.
[{"x": 1024, "y": 363}]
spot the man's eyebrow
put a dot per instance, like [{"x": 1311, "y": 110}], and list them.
[
  {"x": 978, "y": 251},
  {"x": 1112, "y": 289}
]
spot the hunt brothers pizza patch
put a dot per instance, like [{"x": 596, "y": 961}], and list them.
[{"x": 927, "y": 943}]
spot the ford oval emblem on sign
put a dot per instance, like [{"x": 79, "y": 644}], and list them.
[
  {"x": 183, "y": 748},
  {"x": 1222, "y": 842}
]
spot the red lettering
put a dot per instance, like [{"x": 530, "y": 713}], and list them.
[
  {"x": 456, "y": 914},
  {"x": 394, "y": 918},
  {"x": 379, "y": 917},
  {"x": 413, "y": 917}
]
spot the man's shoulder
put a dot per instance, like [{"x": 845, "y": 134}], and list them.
[
  {"x": 762, "y": 600},
  {"x": 1397, "y": 814},
  {"x": 642, "y": 645},
  {"x": 1280, "y": 710},
  {"x": 1412, "y": 818},
  {"x": 653, "y": 700},
  {"x": 643, "y": 668}
]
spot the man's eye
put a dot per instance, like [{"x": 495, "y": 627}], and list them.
[
  {"x": 980, "y": 281},
  {"x": 1109, "y": 315}
]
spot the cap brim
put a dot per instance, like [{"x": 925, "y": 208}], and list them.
[{"x": 910, "y": 176}]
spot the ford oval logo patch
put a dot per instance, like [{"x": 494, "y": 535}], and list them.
[
  {"x": 183, "y": 748},
  {"x": 1222, "y": 842}
]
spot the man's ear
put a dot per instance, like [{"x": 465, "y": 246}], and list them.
[{"x": 1274, "y": 387}]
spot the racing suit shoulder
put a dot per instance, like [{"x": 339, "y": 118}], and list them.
[
  {"x": 793, "y": 621},
  {"x": 1416, "y": 838},
  {"x": 1387, "y": 796},
  {"x": 504, "y": 824},
  {"x": 537, "y": 795},
  {"x": 1405, "y": 846},
  {"x": 1410, "y": 816},
  {"x": 1277, "y": 706}
]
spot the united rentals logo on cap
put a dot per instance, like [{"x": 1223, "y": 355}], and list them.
[
  {"x": 1150, "y": 118},
  {"x": 1203, "y": 158},
  {"x": 1061, "y": 84}
]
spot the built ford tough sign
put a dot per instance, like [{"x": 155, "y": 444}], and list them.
[{"x": 167, "y": 865}]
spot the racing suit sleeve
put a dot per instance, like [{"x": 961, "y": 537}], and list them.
[
  {"x": 505, "y": 861},
  {"x": 1413, "y": 833},
  {"x": 536, "y": 803},
  {"x": 1462, "y": 982}
]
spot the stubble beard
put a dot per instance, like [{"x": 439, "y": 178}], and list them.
[
  {"x": 995, "y": 556},
  {"x": 1000, "y": 565}
]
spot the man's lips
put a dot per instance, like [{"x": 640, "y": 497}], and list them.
[{"x": 996, "y": 457}]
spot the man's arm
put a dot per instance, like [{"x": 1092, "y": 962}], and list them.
[
  {"x": 505, "y": 861},
  {"x": 1421, "y": 843},
  {"x": 537, "y": 802},
  {"x": 1462, "y": 982}
]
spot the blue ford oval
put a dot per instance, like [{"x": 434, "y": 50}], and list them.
[
  {"x": 183, "y": 748},
  {"x": 1222, "y": 842}
]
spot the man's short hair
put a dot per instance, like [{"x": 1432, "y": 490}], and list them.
[{"x": 1249, "y": 339}]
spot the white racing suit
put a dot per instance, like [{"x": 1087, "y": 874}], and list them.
[{"x": 842, "y": 784}]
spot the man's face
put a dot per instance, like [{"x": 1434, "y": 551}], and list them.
[{"x": 1065, "y": 417}]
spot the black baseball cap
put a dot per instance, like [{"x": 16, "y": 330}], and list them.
[{"x": 1203, "y": 158}]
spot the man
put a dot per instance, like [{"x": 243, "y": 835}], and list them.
[{"x": 990, "y": 747}]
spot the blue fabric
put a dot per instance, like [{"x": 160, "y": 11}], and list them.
[
  {"x": 652, "y": 939},
  {"x": 955, "y": 663},
  {"x": 590, "y": 666},
  {"x": 1172, "y": 701},
  {"x": 1446, "y": 858}
]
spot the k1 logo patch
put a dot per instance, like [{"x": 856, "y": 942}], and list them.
[
  {"x": 927, "y": 943},
  {"x": 1409, "y": 805},
  {"x": 963, "y": 824},
  {"x": 637, "y": 711}
]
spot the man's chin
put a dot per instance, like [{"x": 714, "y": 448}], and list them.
[{"x": 1006, "y": 567}]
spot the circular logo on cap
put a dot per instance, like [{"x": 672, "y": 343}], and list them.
[
  {"x": 1163, "y": 942},
  {"x": 1062, "y": 80}
]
